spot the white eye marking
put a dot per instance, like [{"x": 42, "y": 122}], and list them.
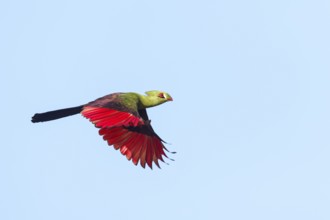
[
  {"x": 161, "y": 95},
  {"x": 164, "y": 96}
]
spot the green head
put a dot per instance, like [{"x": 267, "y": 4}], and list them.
[
  {"x": 155, "y": 97},
  {"x": 161, "y": 96}
]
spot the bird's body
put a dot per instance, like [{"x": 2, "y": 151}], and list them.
[{"x": 123, "y": 122}]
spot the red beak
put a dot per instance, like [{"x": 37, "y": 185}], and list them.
[{"x": 170, "y": 99}]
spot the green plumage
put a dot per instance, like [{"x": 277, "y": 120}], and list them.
[{"x": 131, "y": 102}]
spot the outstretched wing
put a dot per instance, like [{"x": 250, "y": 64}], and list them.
[
  {"x": 126, "y": 128},
  {"x": 139, "y": 143}
]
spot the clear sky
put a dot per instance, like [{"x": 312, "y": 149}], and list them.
[{"x": 250, "y": 118}]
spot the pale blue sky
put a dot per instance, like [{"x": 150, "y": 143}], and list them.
[{"x": 250, "y": 118}]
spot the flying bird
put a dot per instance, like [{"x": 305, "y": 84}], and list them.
[{"x": 123, "y": 122}]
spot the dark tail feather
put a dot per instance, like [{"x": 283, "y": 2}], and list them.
[{"x": 48, "y": 116}]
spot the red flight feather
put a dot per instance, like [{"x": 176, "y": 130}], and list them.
[
  {"x": 129, "y": 133},
  {"x": 106, "y": 117}
]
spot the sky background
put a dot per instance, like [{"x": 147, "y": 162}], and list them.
[{"x": 250, "y": 118}]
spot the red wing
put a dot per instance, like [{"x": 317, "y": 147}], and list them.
[
  {"x": 107, "y": 117},
  {"x": 132, "y": 134},
  {"x": 137, "y": 143}
]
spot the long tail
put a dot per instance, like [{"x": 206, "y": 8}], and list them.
[{"x": 52, "y": 115}]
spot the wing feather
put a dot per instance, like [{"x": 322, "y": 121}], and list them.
[
  {"x": 138, "y": 147},
  {"x": 105, "y": 117}
]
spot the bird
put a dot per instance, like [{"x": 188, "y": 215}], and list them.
[{"x": 123, "y": 122}]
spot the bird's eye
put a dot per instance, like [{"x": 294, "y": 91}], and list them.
[{"x": 161, "y": 95}]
